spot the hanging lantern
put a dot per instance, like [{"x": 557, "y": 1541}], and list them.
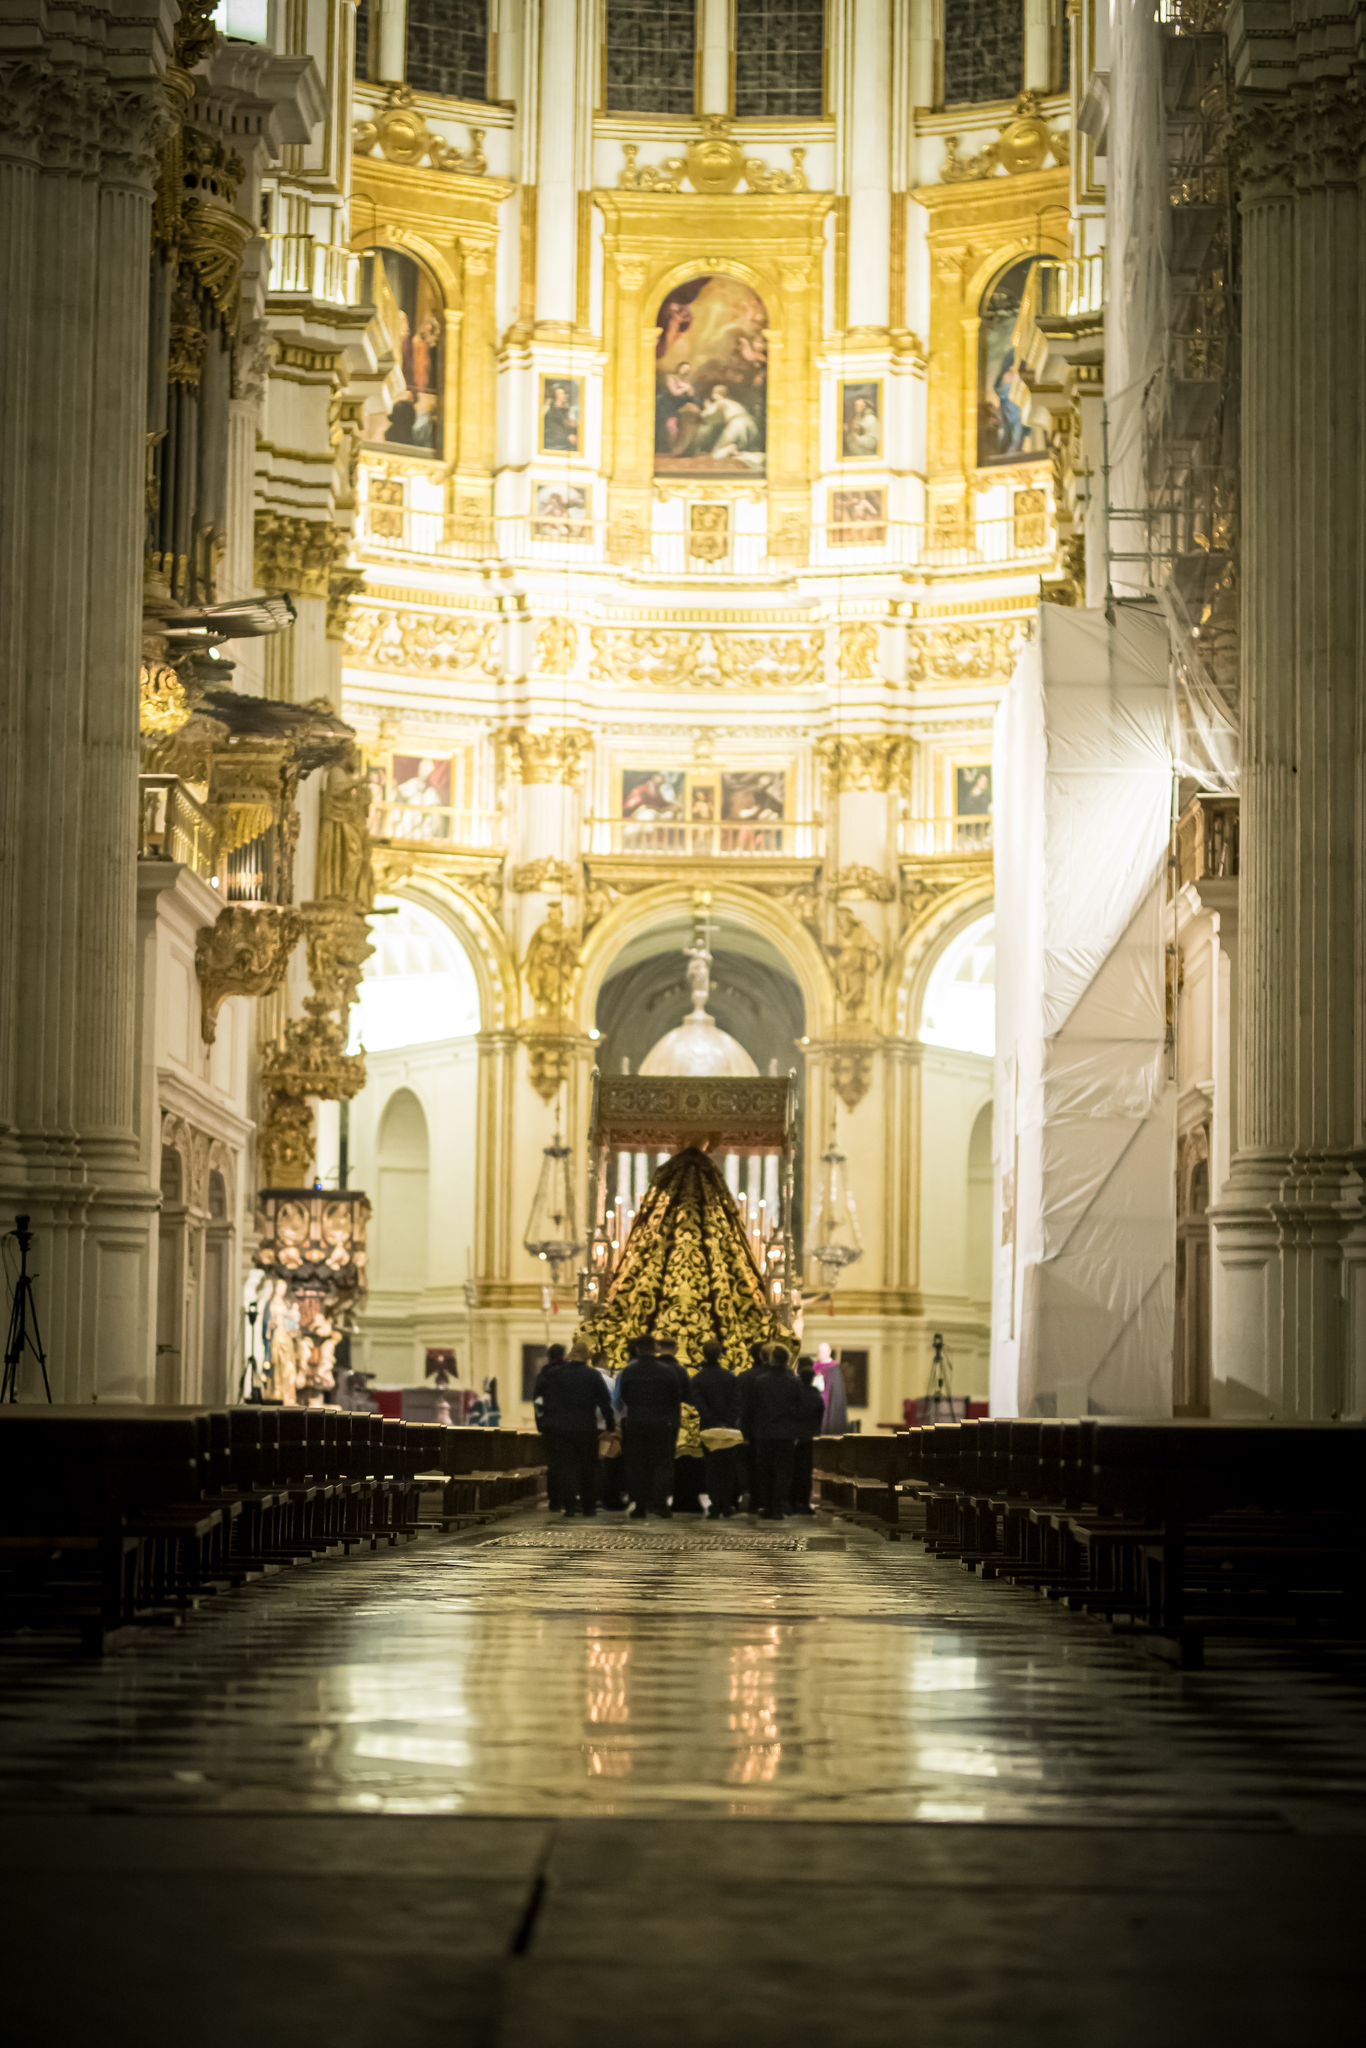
[
  {"x": 593, "y": 1280},
  {"x": 836, "y": 1241},
  {"x": 550, "y": 1232}
]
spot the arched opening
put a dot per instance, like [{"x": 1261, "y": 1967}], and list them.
[
  {"x": 413, "y": 1137},
  {"x": 959, "y": 1010},
  {"x": 978, "y": 1253},
  {"x": 756, "y": 1005},
  {"x": 399, "y": 1255},
  {"x": 172, "y": 1277},
  {"x": 218, "y": 1331}
]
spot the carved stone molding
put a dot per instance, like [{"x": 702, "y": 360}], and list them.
[
  {"x": 550, "y": 1047},
  {"x": 866, "y": 882},
  {"x": 847, "y": 1057},
  {"x": 244, "y": 952},
  {"x": 544, "y": 876},
  {"x": 294, "y": 554},
  {"x": 962, "y": 654},
  {"x": 399, "y": 133},
  {"x": 859, "y": 651},
  {"x": 557, "y": 756},
  {"x": 421, "y": 643},
  {"x": 636, "y": 656},
  {"x": 871, "y": 761}
]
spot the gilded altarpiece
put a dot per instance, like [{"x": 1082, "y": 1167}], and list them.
[
  {"x": 448, "y": 222},
  {"x": 979, "y": 226},
  {"x": 656, "y": 242}
]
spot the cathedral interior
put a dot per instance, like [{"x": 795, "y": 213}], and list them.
[{"x": 683, "y": 671}]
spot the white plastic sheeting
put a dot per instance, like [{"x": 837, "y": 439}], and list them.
[{"x": 1083, "y": 1290}]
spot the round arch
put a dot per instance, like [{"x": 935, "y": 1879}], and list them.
[
  {"x": 1003, "y": 255},
  {"x": 389, "y": 235},
  {"x": 920, "y": 953},
  {"x": 483, "y": 939},
  {"x": 765, "y": 282},
  {"x": 633, "y": 916}
]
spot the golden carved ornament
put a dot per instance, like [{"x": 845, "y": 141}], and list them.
[
  {"x": 708, "y": 532},
  {"x": 295, "y": 554},
  {"x": 1029, "y": 510},
  {"x": 920, "y": 894},
  {"x": 541, "y": 877},
  {"x": 310, "y": 1063},
  {"x": 421, "y": 643},
  {"x": 401, "y": 136},
  {"x": 343, "y": 586},
  {"x": 339, "y": 944},
  {"x": 857, "y": 880},
  {"x": 963, "y": 654},
  {"x": 851, "y": 1073},
  {"x": 1024, "y": 144},
  {"x": 863, "y": 762},
  {"x": 551, "y": 963},
  {"x": 636, "y": 656},
  {"x": 715, "y": 164},
  {"x": 557, "y": 647},
  {"x": 213, "y": 236},
  {"x": 859, "y": 651},
  {"x": 1071, "y": 588},
  {"x": 638, "y": 177},
  {"x": 855, "y": 958},
  {"x": 164, "y": 702},
  {"x": 345, "y": 863},
  {"x": 558, "y": 756},
  {"x": 244, "y": 952},
  {"x": 549, "y": 1060}
]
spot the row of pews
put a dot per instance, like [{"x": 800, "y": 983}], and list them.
[
  {"x": 1178, "y": 1531},
  {"x": 115, "y": 1517}
]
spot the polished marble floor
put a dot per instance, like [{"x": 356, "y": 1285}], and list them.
[
  {"x": 673, "y": 1788},
  {"x": 554, "y": 1669}
]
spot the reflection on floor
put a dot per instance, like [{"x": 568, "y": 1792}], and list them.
[{"x": 1115, "y": 1850}]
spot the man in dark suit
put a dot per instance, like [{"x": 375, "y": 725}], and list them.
[
  {"x": 716, "y": 1397},
  {"x": 772, "y": 1415},
  {"x": 554, "y": 1360},
  {"x": 650, "y": 1396},
  {"x": 575, "y": 1395},
  {"x": 809, "y": 1428}
]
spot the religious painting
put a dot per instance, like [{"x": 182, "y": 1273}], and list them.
[
  {"x": 861, "y": 419},
  {"x": 754, "y": 796},
  {"x": 711, "y": 380},
  {"x": 407, "y": 411},
  {"x": 858, "y": 519},
  {"x": 703, "y": 800},
  {"x": 854, "y": 1367},
  {"x": 1003, "y": 432},
  {"x": 561, "y": 410},
  {"x": 421, "y": 795},
  {"x": 561, "y": 512},
  {"x": 972, "y": 791},
  {"x": 652, "y": 796},
  {"x": 533, "y": 1358}
]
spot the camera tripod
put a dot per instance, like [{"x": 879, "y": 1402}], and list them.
[{"x": 24, "y": 1334}]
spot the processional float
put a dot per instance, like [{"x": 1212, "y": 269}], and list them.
[{"x": 691, "y": 1265}]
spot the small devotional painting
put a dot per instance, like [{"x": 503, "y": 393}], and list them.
[
  {"x": 561, "y": 408},
  {"x": 711, "y": 380},
  {"x": 652, "y": 796},
  {"x": 861, "y": 420},
  {"x": 858, "y": 519},
  {"x": 1003, "y": 430},
  {"x": 406, "y": 412},
  {"x": 972, "y": 790},
  {"x": 420, "y": 797},
  {"x": 561, "y": 512},
  {"x": 753, "y": 796}
]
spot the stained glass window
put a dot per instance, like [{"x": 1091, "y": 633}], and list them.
[
  {"x": 448, "y": 48},
  {"x": 780, "y": 59},
  {"x": 651, "y": 56},
  {"x": 983, "y": 49}
]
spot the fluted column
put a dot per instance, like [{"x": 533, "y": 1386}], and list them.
[
  {"x": 1294, "y": 1189},
  {"x": 868, "y": 129},
  {"x": 77, "y": 180}
]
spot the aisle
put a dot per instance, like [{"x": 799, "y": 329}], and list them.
[
  {"x": 555, "y": 1668},
  {"x": 672, "y": 1788}
]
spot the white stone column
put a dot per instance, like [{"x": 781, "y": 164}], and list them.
[
  {"x": 389, "y": 27},
  {"x": 561, "y": 113},
  {"x": 924, "y": 52},
  {"x": 85, "y": 170},
  {"x": 868, "y": 145},
  {"x": 714, "y": 18},
  {"x": 1295, "y": 1186},
  {"x": 1038, "y": 45}
]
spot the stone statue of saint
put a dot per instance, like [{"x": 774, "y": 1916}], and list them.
[
  {"x": 551, "y": 963},
  {"x": 856, "y": 961},
  {"x": 345, "y": 866}
]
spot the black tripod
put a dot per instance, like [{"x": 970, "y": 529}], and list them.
[{"x": 24, "y": 1334}]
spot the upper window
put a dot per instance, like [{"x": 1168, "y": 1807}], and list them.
[
  {"x": 448, "y": 48},
  {"x": 651, "y": 56},
  {"x": 983, "y": 49},
  {"x": 780, "y": 59}
]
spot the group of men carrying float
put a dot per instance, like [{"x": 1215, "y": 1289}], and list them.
[{"x": 661, "y": 1437}]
